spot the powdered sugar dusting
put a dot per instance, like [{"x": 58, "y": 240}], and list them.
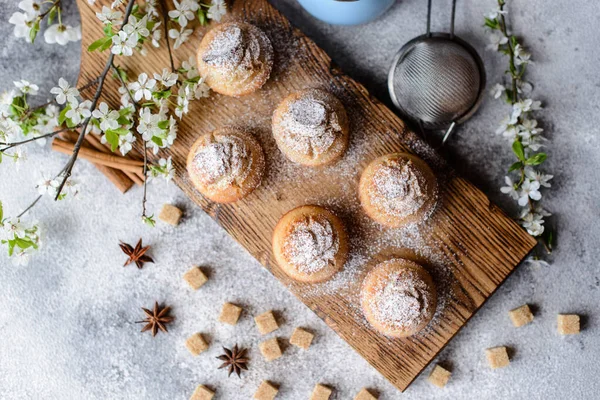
[
  {"x": 223, "y": 160},
  {"x": 237, "y": 50},
  {"x": 310, "y": 126},
  {"x": 399, "y": 188},
  {"x": 400, "y": 302},
  {"x": 312, "y": 245}
]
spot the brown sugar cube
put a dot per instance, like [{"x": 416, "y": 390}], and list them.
[
  {"x": 270, "y": 349},
  {"x": 301, "y": 338},
  {"x": 497, "y": 357},
  {"x": 202, "y": 393},
  {"x": 364, "y": 394},
  {"x": 521, "y": 315},
  {"x": 568, "y": 324},
  {"x": 439, "y": 376},
  {"x": 196, "y": 344},
  {"x": 266, "y": 322},
  {"x": 230, "y": 314},
  {"x": 170, "y": 214},
  {"x": 195, "y": 278},
  {"x": 321, "y": 392},
  {"x": 266, "y": 391}
]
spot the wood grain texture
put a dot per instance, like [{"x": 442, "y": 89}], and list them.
[{"x": 469, "y": 246}]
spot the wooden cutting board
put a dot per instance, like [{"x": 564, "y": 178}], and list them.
[{"x": 470, "y": 246}]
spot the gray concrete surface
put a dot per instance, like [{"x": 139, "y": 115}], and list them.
[{"x": 67, "y": 326}]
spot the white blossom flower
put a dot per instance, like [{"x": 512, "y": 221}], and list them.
[
  {"x": 123, "y": 44},
  {"x": 180, "y": 36},
  {"x": 143, "y": 87},
  {"x": 497, "y": 90},
  {"x": 523, "y": 106},
  {"x": 507, "y": 127},
  {"x": 91, "y": 2},
  {"x": 201, "y": 89},
  {"x": 31, "y": 7},
  {"x": 137, "y": 28},
  {"x": 182, "y": 101},
  {"x": 48, "y": 186},
  {"x": 156, "y": 34},
  {"x": 72, "y": 187},
  {"x": 529, "y": 189},
  {"x": 64, "y": 92},
  {"x": 79, "y": 111},
  {"x": 163, "y": 169},
  {"x": 23, "y": 23},
  {"x": 9, "y": 130},
  {"x": 108, "y": 118},
  {"x": 6, "y": 99},
  {"x": 62, "y": 34},
  {"x": 171, "y": 133},
  {"x": 21, "y": 257},
  {"x": 542, "y": 179},
  {"x": 19, "y": 156},
  {"x": 116, "y": 3},
  {"x": 528, "y": 128},
  {"x": 509, "y": 189},
  {"x": 26, "y": 87},
  {"x": 190, "y": 67},
  {"x": 533, "y": 143},
  {"x": 534, "y": 223},
  {"x": 14, "y": 229},
  {"x": 125, "y": 143},
  {"x": 495, "y": 13},
  {"x": 217, "y": 10},
  {"x": 183, "y": 11},
  {"x": 521, "y": 56},
  {"x": 497, "y": 40},
  {"x": 537, "y": 262},
  {"x": 148, "y": 124},
  {"x": 168, "y": 78},
  {"x": 108, "y": 16}
]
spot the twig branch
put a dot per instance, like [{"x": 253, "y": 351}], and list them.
[
  {"x": 69, "y": 166},
  {"x": 163, "y": 5},
  {"x": 30, "y": 206},
  {"x": 33, "y": 139}
]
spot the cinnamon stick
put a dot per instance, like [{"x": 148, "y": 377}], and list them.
[
  {"x": 95, "y": 142},
  {"x": 98, "y": 157},
  {"x": 117, "y": 177}
]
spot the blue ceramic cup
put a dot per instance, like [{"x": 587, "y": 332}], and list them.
[{"x": 346, "y": 12}]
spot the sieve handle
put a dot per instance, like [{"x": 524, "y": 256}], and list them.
[{"x": 451, "y": 18}]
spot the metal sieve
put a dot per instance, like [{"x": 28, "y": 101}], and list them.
[{"x": 437, "y": 79}]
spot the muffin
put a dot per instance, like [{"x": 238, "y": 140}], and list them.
[
  {"x": 311, "y": 127},
  {"x": 226, "y": 165},
  {"x": 398, "y": 297},
  {"x": 235, "y": 58},
  {"x": 398, "y": 189},
  {"x": 310, "y": 244}
]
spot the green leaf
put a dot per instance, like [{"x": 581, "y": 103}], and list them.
[
  {"x": 63, "y": 115},
  {"x": 157, "y": 140},
  {"x": 1, "y": 210},
  {"x": 536, "y": 159},
  {"x": 549, "y": 239},
  {"x": 518, "y": 150},
  {"x": 24, "y": 243},
  {"x": 34, "y": 30},
  {"x": 11, "y": 247},
  {"x": 513, "y": 41},
  {"x": 149, "y": 221},
  {"x": 163, "y": 124},
  {"x": 51, "y": 15},
  {"x": 108, "y": 30},
  {"x": 492, "y": 23},
  {"x": 202, "y": 16},
  {"x": 164, "y": 94},
  {"x": 112, "y": 137},
  {"x": 515, "y": 166},
  {"x": 100, "y": 44}
]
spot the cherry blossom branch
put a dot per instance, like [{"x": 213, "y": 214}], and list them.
[
  {"x": 33, "y": 139},
  {"x": 71, "y": 163}
]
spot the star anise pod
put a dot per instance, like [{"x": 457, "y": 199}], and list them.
[
  {"x": 235, "y": 359},
  {"x": 136, "y": 255},
  {"x": 156, "y": 319}
]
